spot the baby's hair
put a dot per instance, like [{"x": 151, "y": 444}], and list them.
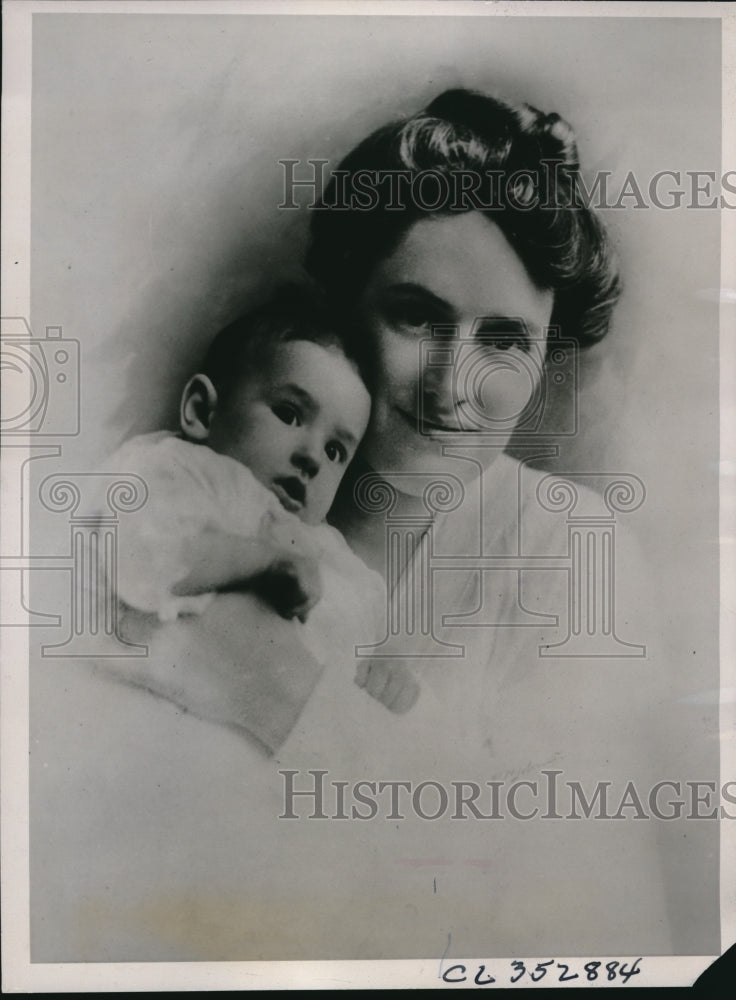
[{"x": 292, "y": 312}]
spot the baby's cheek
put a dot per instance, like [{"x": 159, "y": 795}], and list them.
[{"x": 327, "y": 494}]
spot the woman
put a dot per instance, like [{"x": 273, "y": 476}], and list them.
[
  {"x": 454, "y": 308},
  {"x": 457, "y": 307},
  {"x": 495, "y": 279}
]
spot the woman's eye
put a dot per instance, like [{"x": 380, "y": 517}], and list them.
[
  {"x": 501, "y": 336},
  {"x": 287, "y": 413},
  {"x": 336, "y": 452},
  {"x": 412, "y": 316},
  {"x": 493, "y": 341},
  {"x": 503, "y": 342}
]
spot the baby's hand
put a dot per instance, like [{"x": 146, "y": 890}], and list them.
[
  {"x": 390, "y": 682},
  {"x": 291, "y": 585}
]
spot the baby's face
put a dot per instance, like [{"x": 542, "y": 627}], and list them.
[{"x": 296, "y": 425}]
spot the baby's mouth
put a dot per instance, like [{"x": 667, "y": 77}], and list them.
[{"x": 291, "y": 493}]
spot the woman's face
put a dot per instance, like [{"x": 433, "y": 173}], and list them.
[{"x": 459, "y": 331}]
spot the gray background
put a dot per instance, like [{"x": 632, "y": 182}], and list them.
[{"x": 154, "y": 192}]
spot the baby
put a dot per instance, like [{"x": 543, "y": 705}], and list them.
[{"x": 238, "y": 499}]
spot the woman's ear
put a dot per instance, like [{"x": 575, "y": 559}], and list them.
[{"x": 198, "y": 404}]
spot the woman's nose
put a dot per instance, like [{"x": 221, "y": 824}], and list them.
[{"x": 441, "y": 386}]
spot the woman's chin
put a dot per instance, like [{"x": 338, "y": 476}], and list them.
[{"x": 412, "y": 467}]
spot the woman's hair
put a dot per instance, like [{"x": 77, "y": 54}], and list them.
[{"x": 514, "y": 163}]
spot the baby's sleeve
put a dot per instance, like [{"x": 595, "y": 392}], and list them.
[
  {"x": 354, "y": 594},
  {"x": 152, "y": 541}
]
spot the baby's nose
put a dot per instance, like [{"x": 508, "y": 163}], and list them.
[{"x": 306, "y": 458}]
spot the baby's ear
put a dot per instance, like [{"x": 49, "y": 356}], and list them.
[{"x": 198, "y": 404}]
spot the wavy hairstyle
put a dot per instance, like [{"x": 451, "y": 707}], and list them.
[{"x": 561, "y": 241}]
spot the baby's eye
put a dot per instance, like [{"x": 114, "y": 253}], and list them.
[
  {"x": 336, "y": 452},
  {"x": 287, "y": 413}
]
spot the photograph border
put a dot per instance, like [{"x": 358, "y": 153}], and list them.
[{"x": 19, "y": 973}]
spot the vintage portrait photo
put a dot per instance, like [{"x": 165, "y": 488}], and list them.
[{"x": 367, "y": 494}]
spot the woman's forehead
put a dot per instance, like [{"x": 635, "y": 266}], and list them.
[{"x": 466, "y": 261}]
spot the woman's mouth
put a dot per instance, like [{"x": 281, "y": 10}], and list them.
[
  {"x": 290, "y": 492},
  {"x": 426, "y": 427}
]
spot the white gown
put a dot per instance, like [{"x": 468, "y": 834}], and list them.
[{"x": 157, "y": 834}]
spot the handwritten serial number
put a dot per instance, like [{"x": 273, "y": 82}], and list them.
[{"x": 592, "y": 971}]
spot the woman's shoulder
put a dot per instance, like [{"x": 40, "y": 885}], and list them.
[
  {"x": 550, "y": 501},
  {"x": 553, "y": 489}
]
